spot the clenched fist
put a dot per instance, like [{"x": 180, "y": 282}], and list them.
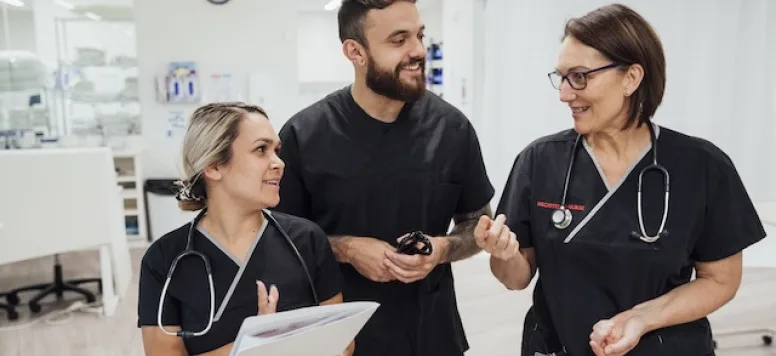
[
  {"x": 367, "y": 258},
  {"x": 495, "y": 238},
  {"x": 619, "y": 335}
]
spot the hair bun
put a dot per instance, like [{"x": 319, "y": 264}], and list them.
[{"x": 188, "y": 191}]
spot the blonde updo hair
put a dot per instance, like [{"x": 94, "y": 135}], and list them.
[{"x": 211, "y": 131}]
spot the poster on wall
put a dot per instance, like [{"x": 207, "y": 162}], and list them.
[
  {"x": 221, "y": 87},
  {"x": 176, "y": 123},
  {"x": 180, "y": 84}
]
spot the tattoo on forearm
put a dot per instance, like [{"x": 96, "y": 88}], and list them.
[{"x": 462, "y": 244}]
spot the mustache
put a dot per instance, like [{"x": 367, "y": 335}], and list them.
[{"x": 420, "y": 60}]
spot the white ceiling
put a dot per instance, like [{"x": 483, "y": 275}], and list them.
[
  {"x": 121, "y": 10},
  {"x": 304, "y": 5},
  {"x": 315, "y": 5},
  {"x": 29, "y": 3}
]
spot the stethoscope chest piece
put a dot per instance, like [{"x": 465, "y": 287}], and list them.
[{"x": 561, "y": 218}]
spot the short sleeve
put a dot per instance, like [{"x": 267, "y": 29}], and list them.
[
  {"x": 477, "y": 190},
  {"x": 294, "y": 197},
  {"x": 328, "y": 278},
  {"x": 515, "y": 201},
  {"x": 731, "y": 223},
  {"x": 152, "y": 276}
]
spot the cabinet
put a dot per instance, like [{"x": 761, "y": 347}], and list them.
[{"x": 128, "y": 165}]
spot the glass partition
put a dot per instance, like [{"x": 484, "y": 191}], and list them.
[{"x": 67, "y": 71}]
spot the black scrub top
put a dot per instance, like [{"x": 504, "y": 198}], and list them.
[
  {"x": 272, "y": 260},
  {"x": 354, "y": 175},
  {"x": 603, "y": 270}
]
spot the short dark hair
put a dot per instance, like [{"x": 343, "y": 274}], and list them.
[
  {"x": 352, "y": 15},
  {"x": 626, "y": 38}
]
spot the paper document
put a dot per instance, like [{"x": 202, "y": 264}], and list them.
[
  {"x": 222, "y": 87},
  {"x": 322, "y": 330}
]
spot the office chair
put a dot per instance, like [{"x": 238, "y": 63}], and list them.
[
  {"x": 58, "y": 287},
  {"x": 766, "y": 335},
  {"x": 10, "y": 310}
]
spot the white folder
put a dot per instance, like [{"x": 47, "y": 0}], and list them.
[{"x": 321, "y": 330}]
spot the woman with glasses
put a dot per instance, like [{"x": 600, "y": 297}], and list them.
[{"x": 615, "y": 214}]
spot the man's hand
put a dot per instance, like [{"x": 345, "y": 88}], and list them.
[
  {"x": 619, "y": 335},
  {"x": 494, "y": 237},
  {"x": 268, "y": 302},
  {"x": 411, "y": 268},
  {"x": 367, "y": 255}
]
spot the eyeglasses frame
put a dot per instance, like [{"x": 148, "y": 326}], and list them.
[{"x": 584, "y": 74}]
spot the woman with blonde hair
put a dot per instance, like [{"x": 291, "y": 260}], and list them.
[{"x": 235, "y": 259}]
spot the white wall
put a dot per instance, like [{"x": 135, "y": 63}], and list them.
[
  {"x": 115, "y": 38},
  {"x": 34, "y": 28},
  {"x": 46, "y": 14},
  {"x": 721, "y": 78},
  {"x": 321, "y": 65},
  {"x": 431, "y": 15},
  {"x": 241, "y": 37},
  {"x": 458, "y": 54},
  {"x": 21, "y": 30},
  {"x": 320, "y": 57}
]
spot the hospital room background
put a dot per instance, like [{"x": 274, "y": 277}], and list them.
[{"x": 77, "y": 75}]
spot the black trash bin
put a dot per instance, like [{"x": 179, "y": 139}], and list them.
[
  {"x": 161, "y": 186},
  {"x": 162, "y": 212}
]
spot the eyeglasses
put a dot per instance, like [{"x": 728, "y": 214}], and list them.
[{"x": 577, "y": 80}]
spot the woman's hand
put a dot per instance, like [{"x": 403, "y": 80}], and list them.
[
  {"x": 495, "y": 237},
  {"x": 619, "y": 335},
  {"x": 268, "y": 302}
]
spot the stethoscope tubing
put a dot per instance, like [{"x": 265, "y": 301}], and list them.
[
  {"x": 190, "y": 251},
  {"x": 561, "y": 217}
]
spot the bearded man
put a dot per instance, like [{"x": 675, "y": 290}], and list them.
[{"x": 383, "y": 166}]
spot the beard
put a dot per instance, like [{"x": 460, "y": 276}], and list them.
[{"x": 389, "y": 83}]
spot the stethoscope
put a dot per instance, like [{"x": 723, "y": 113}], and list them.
[
  {"x": 562, "y": 218},
  {"x": 190, "y": 251}
]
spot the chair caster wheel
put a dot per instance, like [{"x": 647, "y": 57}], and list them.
[
  {"x": 768, "y": 340},
  {"x": 35, "y": 308},
  {"x": 13, "y": 315},
  {"x": 13, "y": 299}
]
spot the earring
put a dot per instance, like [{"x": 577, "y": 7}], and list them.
[{"x": 627, "y": 93}]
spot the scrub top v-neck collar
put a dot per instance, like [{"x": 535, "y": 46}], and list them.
[
  {"x": 242, "y": 265},
  {"x": 600, "y": 169},
  {"x": 610, "y": 190}
]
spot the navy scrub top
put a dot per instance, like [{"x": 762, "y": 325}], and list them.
[
  {"x": 271, "y": 260},
  {"x": 354, "y": 175},
  {"x": 603, "y": 270}
]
